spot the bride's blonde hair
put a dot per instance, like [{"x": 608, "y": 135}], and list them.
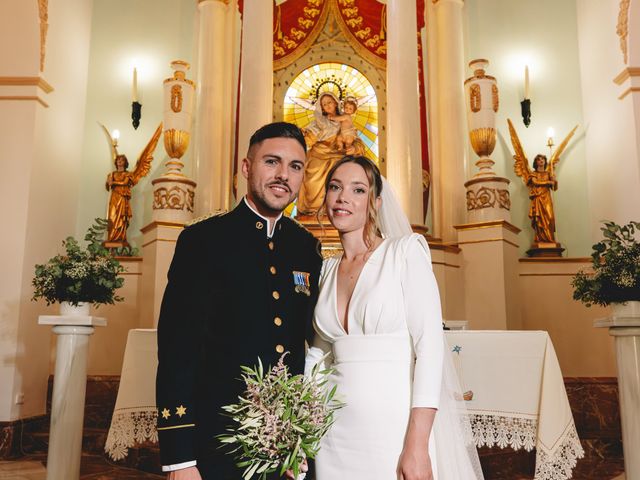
[{"x": 371, "y": 227}]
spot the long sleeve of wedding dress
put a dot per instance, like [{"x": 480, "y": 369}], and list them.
[{"x": 424, "y": 321}]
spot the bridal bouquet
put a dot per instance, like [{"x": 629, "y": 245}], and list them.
[{"x": 279, "y": 420}]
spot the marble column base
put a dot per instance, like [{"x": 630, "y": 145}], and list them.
[
  {"x": 490, "y": 275},
  {"x": 158, "y": 245},
  {"x": 626, "y": 331},
  {"x": 69, "y": 387},
  {"x": 488, "y": 199}
]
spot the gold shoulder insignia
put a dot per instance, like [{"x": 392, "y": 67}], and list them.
[{"x": 215, "y": 213}]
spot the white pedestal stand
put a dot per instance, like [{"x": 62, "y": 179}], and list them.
[
  {"x": 626, "y": 331},
  {"x": 69, "y": 387}
]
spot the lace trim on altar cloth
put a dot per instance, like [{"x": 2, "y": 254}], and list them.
[
  {"x": 130, "y": 428},
  {"x": 560, "y": 464},
  {"x": 518, "y": 433}
]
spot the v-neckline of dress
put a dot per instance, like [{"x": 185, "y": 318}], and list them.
[{"x": 347, "y": 331}]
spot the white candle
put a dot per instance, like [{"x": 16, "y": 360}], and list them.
[
  {"x": 135, "y": 85},
  {"x": 526, "y": 81}
]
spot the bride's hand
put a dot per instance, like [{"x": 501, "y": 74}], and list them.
[
  {"x": 415, "y": 464},
  {"x": 304, "y": 467}
]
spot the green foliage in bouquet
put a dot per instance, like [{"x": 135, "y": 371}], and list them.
[
  {"x": 280, "y": 419},
  {"x": 80, "y": 275},
  {"x": 616, "y": 268}
]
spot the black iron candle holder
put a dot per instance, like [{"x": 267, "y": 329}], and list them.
[
  {"x": 136, "y": 114},
  {"x": 526, "y": 111}
]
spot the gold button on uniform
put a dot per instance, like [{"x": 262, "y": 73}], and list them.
[
  {"x": 279, "y": 348},
  {"x": 277, "y": 321},
  {"x": 271, "y": 245},
  {"x": 276, "y": 295},
  {"x": 272, "y": 269},
  {"x": 259, "y": 225}
]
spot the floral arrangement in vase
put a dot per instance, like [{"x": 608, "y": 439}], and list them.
[
  {"x": 80, "y": 276},
  {"x": 616, "y": 268}
]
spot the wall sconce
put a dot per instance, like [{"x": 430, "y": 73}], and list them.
[
  {"x": 550, "y": 134},
  {"x": 525, "y": 105},
  {"x": 136, "y": 107}
]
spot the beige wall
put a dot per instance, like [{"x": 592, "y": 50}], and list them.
[
  {"x": 546, "y": 293},
  {"x": 612, "y": 130},
  {"x": 40, "y": 160}
]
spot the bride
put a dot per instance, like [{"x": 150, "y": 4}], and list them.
[{"x": 378, "y": 320}]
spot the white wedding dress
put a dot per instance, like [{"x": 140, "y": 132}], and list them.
[{"x": 391, "y": 360}]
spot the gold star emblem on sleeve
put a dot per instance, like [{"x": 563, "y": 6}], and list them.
[
  {"x": 181, "y": 410},
  {"x": 166, "y": 413}
]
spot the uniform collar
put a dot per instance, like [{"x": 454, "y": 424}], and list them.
[{"x": 270, "y": 228}]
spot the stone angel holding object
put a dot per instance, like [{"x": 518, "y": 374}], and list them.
[
  {"x": 119, "y": 183},
  {"x": 540, "y": 181}
]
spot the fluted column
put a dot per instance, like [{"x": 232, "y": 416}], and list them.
[
  {"x": 256, "y": 76},
  {"x": 404, "y": 166},
  {"x": 211, "y": 97},
  {"x": 450, "y": 124}
]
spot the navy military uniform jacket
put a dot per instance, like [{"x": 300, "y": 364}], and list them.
[{"x": 233, "y": 295}]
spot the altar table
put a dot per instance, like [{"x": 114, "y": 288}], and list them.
[{"x": 511, "y": 380}]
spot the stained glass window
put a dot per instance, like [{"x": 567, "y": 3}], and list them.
[{"x": 343, "y": 81}]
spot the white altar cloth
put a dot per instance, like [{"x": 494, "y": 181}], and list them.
[
  {"x": 511, "y": 379},
  {"x": 518, "y": 396}
]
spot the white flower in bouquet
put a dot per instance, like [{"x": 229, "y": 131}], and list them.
[{"x": 280, "y": 419}]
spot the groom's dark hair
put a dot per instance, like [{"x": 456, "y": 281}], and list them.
[{"x": 277, "y": 130}]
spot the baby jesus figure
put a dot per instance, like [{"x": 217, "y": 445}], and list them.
[{"x": 348, "y": 132}]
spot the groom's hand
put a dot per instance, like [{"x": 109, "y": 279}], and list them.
[{"x": 189, "y": 473}]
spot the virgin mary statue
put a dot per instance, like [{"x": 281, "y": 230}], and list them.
[{"x": 322, "y": 153}]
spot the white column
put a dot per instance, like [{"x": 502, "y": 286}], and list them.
[
  {"x": 69, "y": 386},
  {"x": 256, "y": 76},
  {"x": 210, "y": 107},
  {"x": 449, "y": 164},
  {"x": 404, "y": 165},
  {"x": 625, "y": 328}
]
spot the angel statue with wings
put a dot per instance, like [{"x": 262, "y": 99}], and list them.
[
  {"x": 119, "y": 183},
  {"x": 540, "y": 181}
]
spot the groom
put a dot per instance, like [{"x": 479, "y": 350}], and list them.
[{"x": 241, "y": 285}]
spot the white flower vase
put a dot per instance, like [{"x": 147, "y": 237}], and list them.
[
  {"x": 626, "y": 310},
  {"x": 69, "y": 310}
]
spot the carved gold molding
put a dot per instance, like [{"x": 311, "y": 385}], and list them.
[
  {"x": 43, "y": 12},
  {"x": 622, "y": 28},
  {"x": 39, "y": 82}
]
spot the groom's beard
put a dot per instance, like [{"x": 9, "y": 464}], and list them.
[{"x": 269, "y": 200}]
